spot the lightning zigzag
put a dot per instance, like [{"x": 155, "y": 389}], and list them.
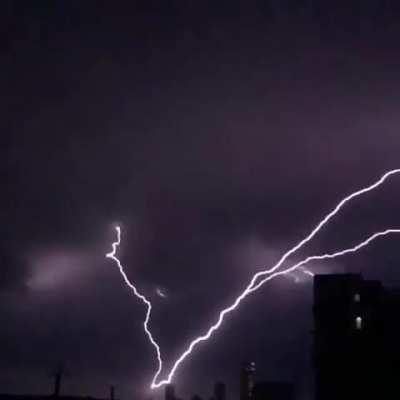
[{"x": 259, "y": 279}]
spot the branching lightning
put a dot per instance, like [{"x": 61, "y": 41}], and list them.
[
  {"x": 307, "y": 272},
  {"x": 327, "y": 256},
  {"x": 257, "y": 280},
  {"x": 303, "y": 270},
  {"x": 112, "y": 255}
]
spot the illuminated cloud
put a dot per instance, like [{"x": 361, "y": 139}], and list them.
[{"x": 55, "y": 269}]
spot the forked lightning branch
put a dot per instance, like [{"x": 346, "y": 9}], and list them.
[{"x": 259, "y": 279}]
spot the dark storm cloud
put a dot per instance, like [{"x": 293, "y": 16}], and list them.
[{"x": 217, "y": 137}]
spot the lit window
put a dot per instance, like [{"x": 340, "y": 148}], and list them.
[
  {"x": 357, "y": 298},
  {"x": 358, "y": 323}
]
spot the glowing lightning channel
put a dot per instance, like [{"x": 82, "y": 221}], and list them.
[
  {"x": 253, "y": 285},
  {"x": 307, "y": 272},
  {"x": 327, "y": 256},
  {"x": 244, "y": 294},
  {"x": 304, "y": 270},
  {"x": 112, "y": 255},
  {"x": 161, "y": 293}
]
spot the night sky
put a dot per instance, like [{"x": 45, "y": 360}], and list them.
[{"x": 217, "y": 134}]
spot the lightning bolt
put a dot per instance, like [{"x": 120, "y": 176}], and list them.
[
  {"x": 327, "y": 256},
  {"x": 112, "y": 255},
  {"x": 255, "y": 283}
]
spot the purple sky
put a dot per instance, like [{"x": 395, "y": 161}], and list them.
[{"x": 217, "y": 137}]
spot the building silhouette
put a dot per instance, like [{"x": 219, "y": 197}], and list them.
[
  {"x": 57, "y": 383},
  {"x": 356, "y": 330},
  {"x": 219, "y": 391},
  {"x": 267, "y": 390},
  {"x": 247, "y": 380},
  {"x": 170, "y": 392}
]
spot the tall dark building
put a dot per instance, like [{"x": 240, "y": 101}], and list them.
[
  {"x": 273, "y": 391},
  {"x": 247, "y": 380},
  {"x": 356, "y": 329},
  {"x": 219, "y": 391},
  {"x": 170, "y": 392}
]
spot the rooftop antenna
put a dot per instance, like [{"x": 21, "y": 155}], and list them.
[
  {"x": 57, "y": 380},
  {"x": 112, "y": 392}
]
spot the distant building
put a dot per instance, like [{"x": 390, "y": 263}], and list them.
[
  {"x": 220, "y": 391},
  {"x": 247, "y": 380},
  {"x": 273, "y": 391},
  {"x": 170, "y": 392},
  {"x": 356, "y": 331}
]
